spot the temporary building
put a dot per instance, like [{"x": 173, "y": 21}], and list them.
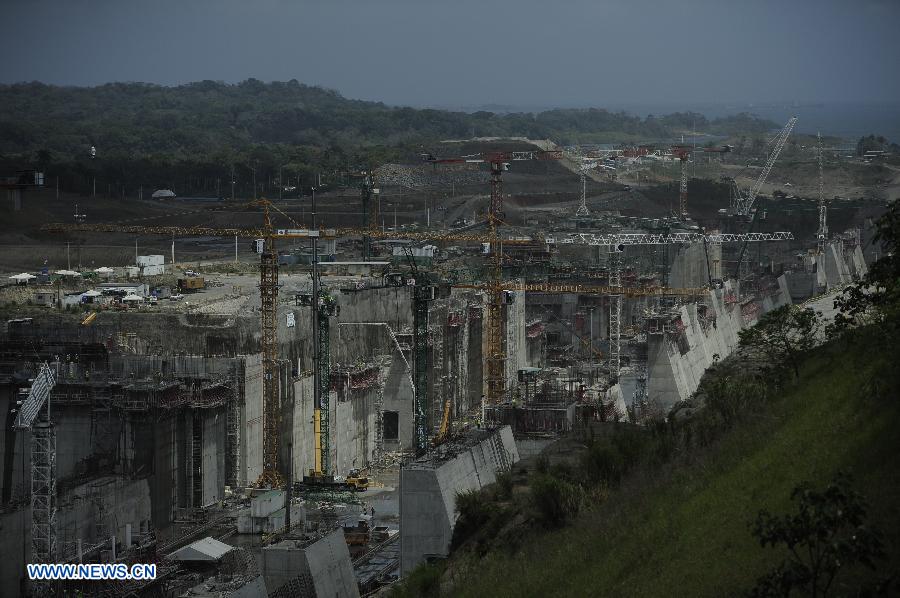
[
  {"x": 205, "y": 550},
  {"x": 132, "y": 298},
  {"x": 67, "y": 273},
  {"x": 22, "y": 278}
]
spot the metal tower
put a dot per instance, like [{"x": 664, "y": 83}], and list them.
[
  {"x": 583, "y": 209},
  {"x": 35, "y": 414},
  {"x": 615, "y": 311},
  {"x": 822, "y": 232}
]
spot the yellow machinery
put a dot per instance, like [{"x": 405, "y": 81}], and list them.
[
  {"x": 357, "y": 481},
  {"x": 444, "y": 430}
]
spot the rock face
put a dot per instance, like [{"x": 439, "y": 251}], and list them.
[{"x": 428, "y": 491}]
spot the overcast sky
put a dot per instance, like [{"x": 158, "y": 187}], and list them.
[{"x": 470, "y": 52}]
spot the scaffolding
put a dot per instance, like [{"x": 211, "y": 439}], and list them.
[
  {"x": 43, "y": 491},
  {"x": 615, "y": 313}
]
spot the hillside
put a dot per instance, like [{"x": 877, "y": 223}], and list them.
[
  {"x": 684, "y": 529},
  {"x": 191, "y": 136}
]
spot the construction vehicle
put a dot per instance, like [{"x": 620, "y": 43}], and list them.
[
  {"x": 444, "y": 431},
  {"x": 191, "y": 284},
  {"x": 357, "y": 481},
  {"x": 357, "y": 535}
]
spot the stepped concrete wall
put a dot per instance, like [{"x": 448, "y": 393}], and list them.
[
  {"x": 677, "y": 362},
  {"x": 428, "y": 492}
]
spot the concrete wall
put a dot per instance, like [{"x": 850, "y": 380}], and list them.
[
  {"x": 327, "y": 561},
  {"x": 516, "y": 348},
  {"x": 213, "y": 454},
  {"x": 101, "y": 508},
  {"x": 693, "y": 265},
  {"x": 676, "y": 365},
  {"x": 428, "y": 493},
  {"x": 251, "y": 422}
]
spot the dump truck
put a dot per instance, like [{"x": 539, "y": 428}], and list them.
[{"x": 356, "y": 481}]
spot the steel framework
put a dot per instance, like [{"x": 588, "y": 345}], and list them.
[
  {"x": 268, "y": 290},
  {"x": 421, "y": 297},
  {"x": 615, "y": 312},
  {"x": 35, "y": 414},
  {"x": 822, "y": 231},
  {"x": 663, "y": 239},
  {"x": 743, "y": 203}
]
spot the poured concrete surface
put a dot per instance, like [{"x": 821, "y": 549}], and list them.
[{"x": 428, "y": 492}]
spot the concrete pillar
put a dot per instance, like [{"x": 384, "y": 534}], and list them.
[{"x": 127, "y": 536}]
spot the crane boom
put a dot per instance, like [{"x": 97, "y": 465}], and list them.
[
  {"x": 586, "y": 289},
  {"x": 744, "y": 204},
  {"x": 664, "y": 239}
]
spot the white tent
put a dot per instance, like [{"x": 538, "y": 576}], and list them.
[
  {"x": 23, "y": 278},
  {"x": 104, "y": 270},
  {"x": 131, "y": 298},
  {"x": 205, "y": 550},
  {"x": 163, "y": 194},
  {"x": 67, "y": 273},
  {"x": 92, "y": 293}
]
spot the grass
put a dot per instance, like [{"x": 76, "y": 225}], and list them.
[{"x": 686, "y": 532}]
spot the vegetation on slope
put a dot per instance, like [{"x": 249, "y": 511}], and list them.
[{"x": 674, "y": 508}]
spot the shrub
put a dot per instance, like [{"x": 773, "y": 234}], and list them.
[
  {"x": 554, "y": 500},
  {"x": 826, "y": 535},
  {"x": 603, "y": 463},
  {"x": 474, "y": 512},
  {"x": 504, "y": 485}
]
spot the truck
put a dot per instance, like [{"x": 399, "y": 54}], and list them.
[{"x": 191, "y": 284}]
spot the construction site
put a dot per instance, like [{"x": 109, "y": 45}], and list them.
[{"x": 284, "y": 397}]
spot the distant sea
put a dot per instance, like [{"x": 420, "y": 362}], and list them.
[{"x": 849, "y": 120}]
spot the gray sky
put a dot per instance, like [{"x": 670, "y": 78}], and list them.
[{"x": 465, "y": 52}]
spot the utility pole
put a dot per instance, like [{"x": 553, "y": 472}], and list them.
[
  {"x": 280, "y": 184},
  {"x": 232, "y": 182}
]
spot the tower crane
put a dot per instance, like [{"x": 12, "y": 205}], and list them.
[
  {"x": 683, "y": 153},
  {"x": 264, "y": 244},
  {"x": 743, "y": 202},
  {"x": 822, "y": 231},
  {"x": 611, "y": 291},
  {"x": 34, "y": 415},
  {"x": 616, "y": 243},
  {"x": 265, "y": 239},
  {"x": 499, "y": 162}
]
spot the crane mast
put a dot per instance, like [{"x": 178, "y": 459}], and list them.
[{"x": 822, "y": 231}]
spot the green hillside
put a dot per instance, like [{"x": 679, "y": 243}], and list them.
[
  {"x": 689, "y": 535},
  {"x": 684, "y": 528}
]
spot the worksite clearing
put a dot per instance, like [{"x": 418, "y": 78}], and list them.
[{"x": 288, "y": 397}]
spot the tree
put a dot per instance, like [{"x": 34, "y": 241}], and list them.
[
  {"x": 876, "y": 298},
  {"x": 826, "y": 534},
  {"x": 783, "y": 336}
]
